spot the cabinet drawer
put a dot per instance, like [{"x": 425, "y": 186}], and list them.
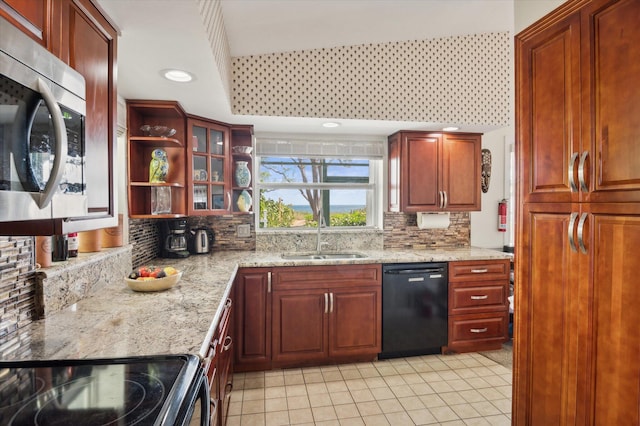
[
  {"x": 324, "y": 277},
  {"x": 478, "y": 329},
  {"x": 469, "y": 299},
  {"x": 483, "y": 270}
]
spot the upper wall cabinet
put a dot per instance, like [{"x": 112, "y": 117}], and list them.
[
  {"x": 31, "y": 16},
  {"x": 219, "y": 162},
  {"x": 434, "y": 171},
  {"x": 157, "y": 172},
  {"x": 80, "y": 35}
]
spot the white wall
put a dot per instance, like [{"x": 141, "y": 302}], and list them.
[{"x": 484, "y": 224}]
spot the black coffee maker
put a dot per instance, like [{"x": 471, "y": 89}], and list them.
[{"x": 173, "y": 238}]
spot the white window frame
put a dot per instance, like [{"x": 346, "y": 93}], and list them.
[{"x": 372, "y": 148}]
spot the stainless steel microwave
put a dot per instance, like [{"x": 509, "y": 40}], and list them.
[{"x": 42, "y": 135}]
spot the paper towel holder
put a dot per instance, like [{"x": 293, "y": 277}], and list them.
[{"x": 433, "y": 220}]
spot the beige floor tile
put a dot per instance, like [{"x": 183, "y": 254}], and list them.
[
  {"x": 275, "y": 392},
  {"x": 444, "y": 414},
  {"x": 320, "y": 399},
  {"x": 369, "y": 408},
  {"x": 411, "y": 403},
  {"x": 382, "y": 393},
  {"x": 252, "y": 420},
  {"x": 277, "y": 418},
  {"x": 379, "y": 420},
  {"x": 331, "y": 376},
  {"x": 274, "y": 404},
  {"x": 317, "y": 388},
  {"x": 465, "y": 411},
  {"x": 296, "y": 390},
  {"x": 352, "y": 421},
  {"x": 272, "y": 381},
  {"x": 400, "y": 418},
  {"x": 297, "y": 402},
  {"x": 390, "y": 405},
  {"x": 422, "y": 417},
  {"x": 253, "y": 394},
  {"x": 338, "y": 386},
  {"x": 362, "y": 395},
  {"x": 301, "y": 416},
  {"x": 324, "y": 413},
  {"x": 342, "y": 397},
  {"x": 252, "y": 407},
  {"x": 375, "y": 382},
  {"x": 346, "y": 411},
  {"x": 453, "y": 390}
]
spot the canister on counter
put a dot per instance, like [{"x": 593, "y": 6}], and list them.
[{"x": 43, "y": 251}]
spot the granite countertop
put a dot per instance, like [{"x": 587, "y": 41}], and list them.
[{"x": 117, "y": 322}]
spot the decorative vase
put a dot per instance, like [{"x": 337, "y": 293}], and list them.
[
  {"x": 244, "y": 201},
  {"x": 242, "y": 174},
  {"x": 159, "y": 166}
]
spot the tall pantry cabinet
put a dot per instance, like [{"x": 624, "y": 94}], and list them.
[{"x": 577, "y": 338}]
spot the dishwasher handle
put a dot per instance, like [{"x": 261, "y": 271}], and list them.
[{"x": 414, "y": 271}]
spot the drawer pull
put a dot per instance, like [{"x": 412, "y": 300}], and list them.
[
  {"x": 227, "y": 343},
  {"x": 479, "y": 330},
  {"x": 479, "y": 297},
  {"x": 479, "y": 271}
]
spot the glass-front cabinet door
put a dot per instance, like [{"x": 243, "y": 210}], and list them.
[{"x": 209, "y": 165}]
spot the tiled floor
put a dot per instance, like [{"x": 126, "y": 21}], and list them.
[{"x": 464, "y": 389}]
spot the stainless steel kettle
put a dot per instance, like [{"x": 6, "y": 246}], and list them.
[{"x": 201, "y": 240}]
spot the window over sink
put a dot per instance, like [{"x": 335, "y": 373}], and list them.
[{"x": 303, "y": 178}]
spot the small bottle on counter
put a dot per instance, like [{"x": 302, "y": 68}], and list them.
[{"x": 73, "y": 244}]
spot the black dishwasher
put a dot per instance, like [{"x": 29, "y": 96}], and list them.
[{"x": 414, "y": 309}]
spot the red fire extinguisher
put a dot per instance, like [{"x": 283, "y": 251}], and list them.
[{"x": 502, "y": 216}]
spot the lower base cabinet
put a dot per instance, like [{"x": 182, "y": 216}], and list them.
[
  {"x": 311, "y": 315},
  {"x": 478, "y": 305},
  {"x": 218, "y": 365}
]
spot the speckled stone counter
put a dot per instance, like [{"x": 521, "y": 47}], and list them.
[{"x": 114, "y": 321}]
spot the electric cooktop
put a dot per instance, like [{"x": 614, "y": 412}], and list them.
[{"x": 141, "y": 391}]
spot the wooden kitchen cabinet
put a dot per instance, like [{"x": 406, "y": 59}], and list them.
[
  {"x": 252, "y": 318},
  {"x": 478, "y": 305},
  {"x": 326, "y": 314},
  {"x": 433, "y": 171},
  {"x": 33, "y": 17},
  {"x": 575, "y": 348},
  {"x": 80, "y": 35},
  {"x": 212, "y": 155},
  {"x": 218, "y": 365},
  {"x": 141, "y": 145}
]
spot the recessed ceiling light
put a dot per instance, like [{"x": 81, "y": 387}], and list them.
[
  {"x": 330, "y": 124},
  {"x": 450, "y": 128},
  {"x": 177, "y": 75}
]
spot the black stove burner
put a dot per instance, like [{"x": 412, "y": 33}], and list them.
[{"x": 131, "y": 391}]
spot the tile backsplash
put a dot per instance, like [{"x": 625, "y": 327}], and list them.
[{"x": 17, "y": 285}]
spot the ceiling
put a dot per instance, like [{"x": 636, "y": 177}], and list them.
[{"x": 160, "y": 34}]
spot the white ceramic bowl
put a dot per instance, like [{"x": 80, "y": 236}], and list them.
[
  {"x": 157, "y": 284},
  {"x": 242, "y": 149}
]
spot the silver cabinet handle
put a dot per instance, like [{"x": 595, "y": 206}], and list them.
[
  {"x": 572, "y": 181},
  {"x": 446, "y": 200},
  {"x": 583, "y": 182},
  {"x": 331, "y": 303},
  {"x": 269, "y": 282},
  {"x": 229, "y": 201},
  {"x": 583, "y": 248},
  {"x": 572, "y": 223},
  {"x": 484, "y": 296},
  {"x": 326, "y": 303},
  {"x": 60, "y": 131},
  {"x": 227, "y": 344},
  {"x": 479, "y": 271},
  {"x": 478, "y": 330}
]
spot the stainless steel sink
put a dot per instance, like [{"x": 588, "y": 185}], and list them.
[{"x": 323, "y": 256}]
